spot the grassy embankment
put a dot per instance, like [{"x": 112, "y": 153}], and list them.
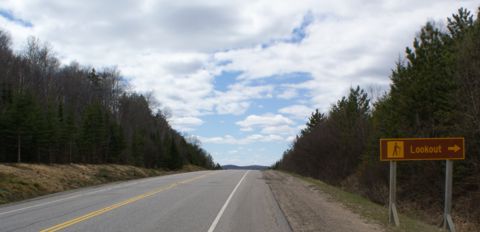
[
  {"x": 23, "y": 181},
  {"x": 370, "y": 211}
]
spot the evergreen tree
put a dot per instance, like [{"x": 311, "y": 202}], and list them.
[
  {"x": 315, "y": 119},
  {"x": 175, "y": 162},
  {"x": 138, "y": 148},
  {"x": 116, "y": 143},
  {"x": 93, "y": 134},
  {"x": 70, "y": 134},
  {"x": 19, "y": 122}
]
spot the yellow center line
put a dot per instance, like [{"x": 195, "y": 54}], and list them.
[{"x": 119, "y": 204}]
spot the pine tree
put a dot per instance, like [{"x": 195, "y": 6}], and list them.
[
  {"x": 93, "y": 134},
  {"x": 137, "y": 148},
  {"x": 116, "y": 143},
  {"x": 70, "y": 131},
  {"x": 175, "y": 162},
  {"x": 50, "y": 136},
  {"x": 315, "y": 119},
  {"x": 20, "y": 119}
]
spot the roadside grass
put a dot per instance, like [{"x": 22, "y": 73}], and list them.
[
  {"x": 21, "y": 188},
  {"x": 23, "y": 181},
  {"x": 372, "y": 212}
]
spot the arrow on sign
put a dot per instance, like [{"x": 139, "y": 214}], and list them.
[{"x": 455, "y": 148}]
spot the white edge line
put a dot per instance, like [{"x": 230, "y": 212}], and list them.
[{"x": 220, "y": 213}]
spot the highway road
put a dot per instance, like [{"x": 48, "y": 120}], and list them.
[{"x": 198, "y": 201}]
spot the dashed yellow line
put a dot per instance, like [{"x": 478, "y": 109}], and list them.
[{"x": 118, "y": 205}]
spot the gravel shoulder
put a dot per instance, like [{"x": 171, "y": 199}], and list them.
[{"x": 309, "y": 209}]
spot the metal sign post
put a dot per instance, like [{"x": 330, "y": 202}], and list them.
[
  {"x": 447, "y": 218},
  {"x": 392, "y": 208}
]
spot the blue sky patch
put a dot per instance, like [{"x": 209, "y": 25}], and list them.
[
  {"x": 12, "y": 18},
  {"x": 223, "y": 62},
  {"x": 299, "y": 33},
  {"x": 289, "y": 78},
  {"x": 268, "y": 105},
  {"x": 225, "y": 79}
]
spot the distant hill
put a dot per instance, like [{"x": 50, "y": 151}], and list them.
[{"x": 250, "y": 167}]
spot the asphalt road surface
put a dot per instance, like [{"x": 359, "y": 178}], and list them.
[{"x": 197, "y": 201}]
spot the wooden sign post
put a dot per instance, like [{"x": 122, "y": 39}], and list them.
[{"x": 400, "y": 149}]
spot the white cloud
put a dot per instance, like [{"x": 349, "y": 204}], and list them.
[
  {"x": 186, "y": 123},
  {"x": 288, "y": 94},
  {"x": 264, "y": 138},
  {"x": 278, "y": 129},
  {"x": 274, "y": 125},
  {"x": 301, "y": 127},
  {"x": 159, "y": 25},
  {"x": 235, "y": 108},
  {"x": 264, "y": 120},
  {"x": 290, "y": 139},
  {"x": 254, "y": 138},
  {"x": 227, "y": 139},
  {"x": 297, "y": 111},
  {"x": 236, "y": 99}
]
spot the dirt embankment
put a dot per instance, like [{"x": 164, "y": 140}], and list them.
[
  {"x": 23, "y": 181},
  {"x": 308, "y": 209}
]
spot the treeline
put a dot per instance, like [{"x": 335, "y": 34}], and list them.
[
  {"x": 52, "y": 113},
  {"x": 435, "y": 92}
]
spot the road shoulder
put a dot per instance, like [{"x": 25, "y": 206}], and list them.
[{"x": 309, "y": 209}]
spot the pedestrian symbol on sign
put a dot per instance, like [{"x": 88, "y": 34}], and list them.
[{"x": 395, "y": 149}]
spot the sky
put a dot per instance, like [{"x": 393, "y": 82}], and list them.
[{"x": 240, "y": 76}]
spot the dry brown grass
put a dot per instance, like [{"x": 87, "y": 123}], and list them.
[
  {"x": 23, "y": 181},
  {"x": 465, "y": 211}
]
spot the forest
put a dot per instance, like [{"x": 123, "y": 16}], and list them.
[
  {"x": 434, "y": 92},
  {"x": 56, "y": 113}
]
